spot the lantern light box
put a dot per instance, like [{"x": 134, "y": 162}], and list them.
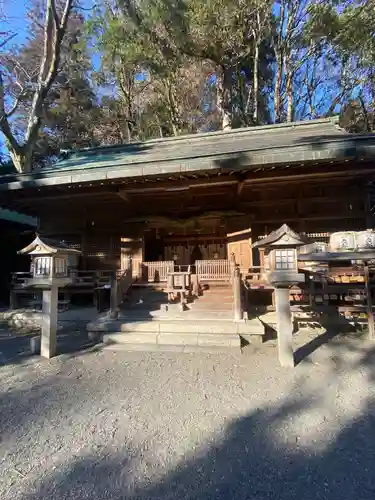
[{"x": 51, "y": 262}]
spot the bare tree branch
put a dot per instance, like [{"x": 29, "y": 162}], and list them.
[
  {"x": 54, "y": 13},
  {"x": 54, "y": 33},
  {"x": 4, "y": 123},
  {"x": 8, "y": 38}
]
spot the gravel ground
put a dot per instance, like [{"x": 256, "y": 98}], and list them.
[{"x": 107, "y": 424}]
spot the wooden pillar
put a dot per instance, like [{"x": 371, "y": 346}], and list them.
[
  {"x": 369, "y": 218},
  {"x": 49, "y": 325},
  {"x": 84, "y": 248},
  {"x": 13, "y": 302},
  {"x": 236, "y": 283},
  {"x": 195, "y": 284},
  {"x": 284, "y": 327},
  {"x": 113, "y": 297},
  {"x": 370, "y": 314}
]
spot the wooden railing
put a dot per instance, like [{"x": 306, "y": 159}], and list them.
[
  {"x": 121, "y": 282},
  {"x": 155, "y": 272},
  {"x": 213, "y": 270},
  {"x": 255, "y": 275},
  {"x": 19, "y": 280},
  {"x": 238, "y": 292},
  {"x": 88, "y": 279},
  {"x": 84, "y": 280}
]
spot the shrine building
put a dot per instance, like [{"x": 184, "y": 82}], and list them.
[{"x": 191, "y": 203}]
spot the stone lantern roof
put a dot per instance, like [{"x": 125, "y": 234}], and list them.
[
  {"x": 47, "y": 246},
  {"x": 284, "y": 237}
]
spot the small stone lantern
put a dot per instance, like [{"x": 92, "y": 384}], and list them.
[
  {"x": 50, "y": 262},
  {"x": 281, "y": 246}
]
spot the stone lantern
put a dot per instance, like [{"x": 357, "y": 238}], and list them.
[
  {"x": 281, "y": 246},
  {"x": 50, "y": 265}
]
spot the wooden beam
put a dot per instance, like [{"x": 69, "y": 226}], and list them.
[
  {"x": 180, "y": 187},
  {"x": 262, "y": 177},
  {"x": 328, "y": 173},
  {"x": 124, "y": 196},
  {"x": 316, "y": 199},
  {"x": 192, "y": 238},
  {"x": 240, "y": 187},
  {"x": 271, "y": 219}
]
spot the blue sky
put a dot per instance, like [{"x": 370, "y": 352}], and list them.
[{"x": 15, "y": 19}]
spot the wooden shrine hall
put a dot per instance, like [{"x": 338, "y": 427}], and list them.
[{"x": 195, "y": 204}]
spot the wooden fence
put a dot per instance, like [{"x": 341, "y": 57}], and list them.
[
  {"x": 155, "y": 272},
  {"x": 213, "y": 270}
]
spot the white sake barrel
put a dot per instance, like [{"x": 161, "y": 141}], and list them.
[
  {"x": 365, "y": 240},
  {"x": 314, "y": 247},
  {"x": 343, "y": 241}
]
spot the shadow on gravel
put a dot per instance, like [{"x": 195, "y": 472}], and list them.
[
  {"x": 16, "y": 349},
  {"x": 258, "y": 457},
  {"x": 342, "y": 329}
]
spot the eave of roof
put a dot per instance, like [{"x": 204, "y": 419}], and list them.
[
  {"x": 250, "y": 148},
  {"x": 49, "y": 245},
  {"x": 11, "y": 216}
]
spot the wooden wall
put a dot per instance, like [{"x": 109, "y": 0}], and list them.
[
  {"x": 95, "y": 223},
  {"x": 206, "y": 248}
]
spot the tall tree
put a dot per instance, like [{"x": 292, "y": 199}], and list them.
[
  {"x": 21, "y": 148},
  {"x": 294, "y": 52},
  {"x": 220, "y": 32},
  {"x": 340, "y": 74},
  {"x": 159, "y": 89}
]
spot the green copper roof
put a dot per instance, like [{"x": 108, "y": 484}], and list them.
[
  {"x": 201, "y": 145},
  {"x": 225, "y": 151},
  {"x": 12, "y": 216}
]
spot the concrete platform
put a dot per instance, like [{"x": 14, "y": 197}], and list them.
[
  {"x": 199, "y": 333},
  {"x": 187, "y": 349},
  {"x": 174, "y": 341},
  {"x": 105, "y": 324},
  {"x": 149, "y": 322}
]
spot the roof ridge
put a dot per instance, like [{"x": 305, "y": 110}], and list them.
[{"x": 203, "y": 135}]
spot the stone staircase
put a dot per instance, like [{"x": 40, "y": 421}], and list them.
[
  {"x": 148, "y": 323},
  {"x": 215, "y": 297}
]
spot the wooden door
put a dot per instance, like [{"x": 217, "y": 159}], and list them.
[
  {"x": 132, "y": 247},
  {"x": 239, "y": 244}
]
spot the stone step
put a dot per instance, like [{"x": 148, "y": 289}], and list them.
[
  {"x": 217, "y": 290},
  {"x": 187, "y": 349},
  {"x": 191, "y": 325},
  {"x": 218, "y": 298},
  {"x": 174, "y": 339},
  {"x": 216, "y": 295},
  {"x": 212, "y": 297},
  {"x": 208, "y": 306},
  {"x": 218, "y": 284}
]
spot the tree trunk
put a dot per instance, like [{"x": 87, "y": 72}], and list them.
[
  {"x": 22, "y": 159},
  {"x": 54, "y": 31},
  {"x": 223, "y": 97},
  {"x": 256, "y": 83},
  {"x": 279, "y": 53},
  {"x": 174, "y": 128},
  {"x": 289, "y": 90},
  {"x": 174, "y": 111},
  {"x": 127, "y": 130},
  {"x": 278, "y": 82}
]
